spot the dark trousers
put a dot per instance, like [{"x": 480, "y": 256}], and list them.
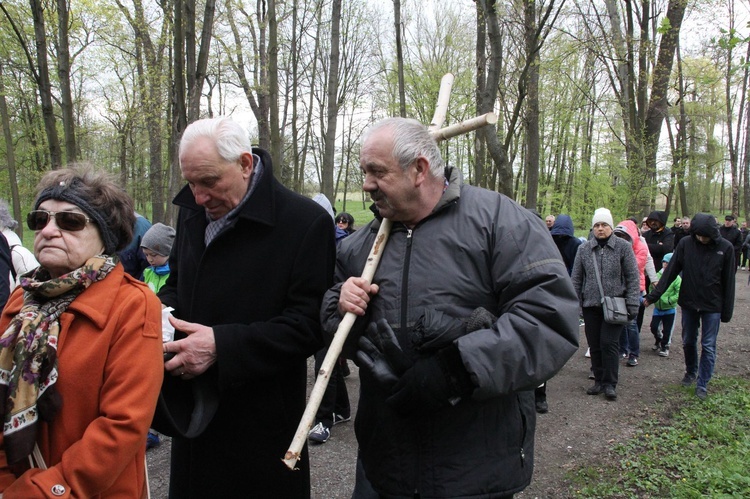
[
  {"x": 667, "y": 324},
  {"x": 603, "y": 339},
  {"x": 336, "y": 398}
]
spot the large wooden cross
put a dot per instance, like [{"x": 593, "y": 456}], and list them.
[{"x": 334, "y": 350}]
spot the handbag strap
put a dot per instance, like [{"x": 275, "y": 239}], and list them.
[{"x": 598, "y": 277}]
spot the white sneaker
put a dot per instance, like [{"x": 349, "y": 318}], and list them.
[{"x": 588, "y": 353}]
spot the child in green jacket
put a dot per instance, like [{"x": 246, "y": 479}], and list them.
[
  {"x": 665, "y": 312},
  {"x": 156, "y": 246}
]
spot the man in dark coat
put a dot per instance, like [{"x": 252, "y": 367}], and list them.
[
  {"x": 706, "y": 262},
  {"x": 446, "y": 408},
  {"x": 683, "y": 232},
  {"x": 249, "y": 267},
  {"x": 563, "y": 233},
  {"x": 660, "y": 238},
  {"x": 731, "y": 233}
]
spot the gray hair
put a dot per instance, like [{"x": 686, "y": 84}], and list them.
[
  {"x": 97, "y": 194},
  {"x": 411, "y": 139},
  {"x": 230, "y": 138},
  {"x": 6, "y": 219}
]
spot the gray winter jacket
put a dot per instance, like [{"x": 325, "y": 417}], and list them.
[
  {"x": 477, "y": 248},
  {"x": 617, "y": 268}
]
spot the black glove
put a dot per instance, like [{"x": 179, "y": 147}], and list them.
[
  {"x": 435, "y": 329},
  {"x": 632, "y": 314},
  {"x": 431, "y": 383},
  {"x": 480, "y": 318},
  {"x": 380, "y": 355}
]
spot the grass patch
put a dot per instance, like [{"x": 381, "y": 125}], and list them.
[{"x": 697, "y": 449}]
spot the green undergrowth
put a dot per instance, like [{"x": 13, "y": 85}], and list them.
[{"x": 694, "y": 449}]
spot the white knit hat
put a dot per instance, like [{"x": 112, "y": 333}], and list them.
[{"x": 602, "y": 215}]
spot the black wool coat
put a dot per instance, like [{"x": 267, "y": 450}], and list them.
[{"x": 259, "y": 284}]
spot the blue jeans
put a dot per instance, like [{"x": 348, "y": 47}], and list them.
[
  {"x": 630, "y": 339},
  {"x": 709, "y": 325}
]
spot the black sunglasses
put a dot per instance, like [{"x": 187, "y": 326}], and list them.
[
  {"x": 342, "y": 221},
  {"x": 65, "y": 220}
]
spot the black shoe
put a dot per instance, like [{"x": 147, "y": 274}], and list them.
[
  {"x": 595, "y": 390},
  {"x": 632, "y": 361},
  {"x": 610, "y": 393},
  {"x": 541, "y": 406},
  {"x": 688, "y": 380},
  {"x": 664, "y": 352}
]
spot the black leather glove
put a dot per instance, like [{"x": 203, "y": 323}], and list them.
[
  {"x": 431, "y": 383},
  {"x": 380, "y": 355}
]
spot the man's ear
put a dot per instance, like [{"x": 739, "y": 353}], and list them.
[
  {"x": 422, "y": 170},
  {"x": 246, "y": 164}
]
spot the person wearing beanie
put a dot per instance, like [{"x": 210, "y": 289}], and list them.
[
  {"x": 156, "y": 246},
  {"x": 605, "y": 216},
  {"x": 618, "y": 269}
]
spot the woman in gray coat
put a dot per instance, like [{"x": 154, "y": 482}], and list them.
[{"x": 619, "y": 273}]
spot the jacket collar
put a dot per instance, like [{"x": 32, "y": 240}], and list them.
[
  {"x": 97, "y": 302},
  {"x": 259, "y": 206}
]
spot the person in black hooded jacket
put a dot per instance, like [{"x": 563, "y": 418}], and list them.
[
  {"x": 660, "y": 238},
  {"x": 706, "y": 261},
  {"x": 565, "y": 239}
]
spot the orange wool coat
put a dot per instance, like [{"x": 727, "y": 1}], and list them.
[{"x": 111, "y": 369}]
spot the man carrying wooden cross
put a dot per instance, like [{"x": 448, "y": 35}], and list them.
[{"x": 470, "y": 309}]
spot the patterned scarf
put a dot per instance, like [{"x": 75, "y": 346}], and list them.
[{"x": 28, "y": 352}]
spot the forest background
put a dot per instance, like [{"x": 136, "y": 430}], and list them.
[{"x": 633, "y": 105}]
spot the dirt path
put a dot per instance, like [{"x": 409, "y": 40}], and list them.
[{"x": 578, "y": 430}]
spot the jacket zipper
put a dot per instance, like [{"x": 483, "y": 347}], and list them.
[
  {"x": 405, "y": 281},
  {"x": 404, "y": 322}
]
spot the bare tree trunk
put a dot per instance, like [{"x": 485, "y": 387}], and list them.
[
  {"x": 43, "y": 83},
  {"x": 63, "y": 73},
  {"x": 197, "y": 68},
  {"x": 488, "y": 95},
  {"x": 10, "y": 156},
  {"x": 273, "y": 88},
  {"x": 532, "y": 106},
  {"x": 150, "y": 82},
  {"x": 658, "y": 107},
  {"x": 295, "y": 56},
  {"x": 333, "y": 103},
  {"x": 480, "y": 152},
  {"x": 399, "y": 58}
]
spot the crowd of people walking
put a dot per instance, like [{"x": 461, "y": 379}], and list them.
[{"x": 475, "y": 306}]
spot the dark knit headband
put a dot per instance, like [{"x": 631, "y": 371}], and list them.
[{"x": 68, "y": 192}]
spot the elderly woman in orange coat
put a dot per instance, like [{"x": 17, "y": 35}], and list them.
[{"x": 80, "y": 350}]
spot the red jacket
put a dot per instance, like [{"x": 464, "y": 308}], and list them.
[{"x": 111, "y": 368}]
